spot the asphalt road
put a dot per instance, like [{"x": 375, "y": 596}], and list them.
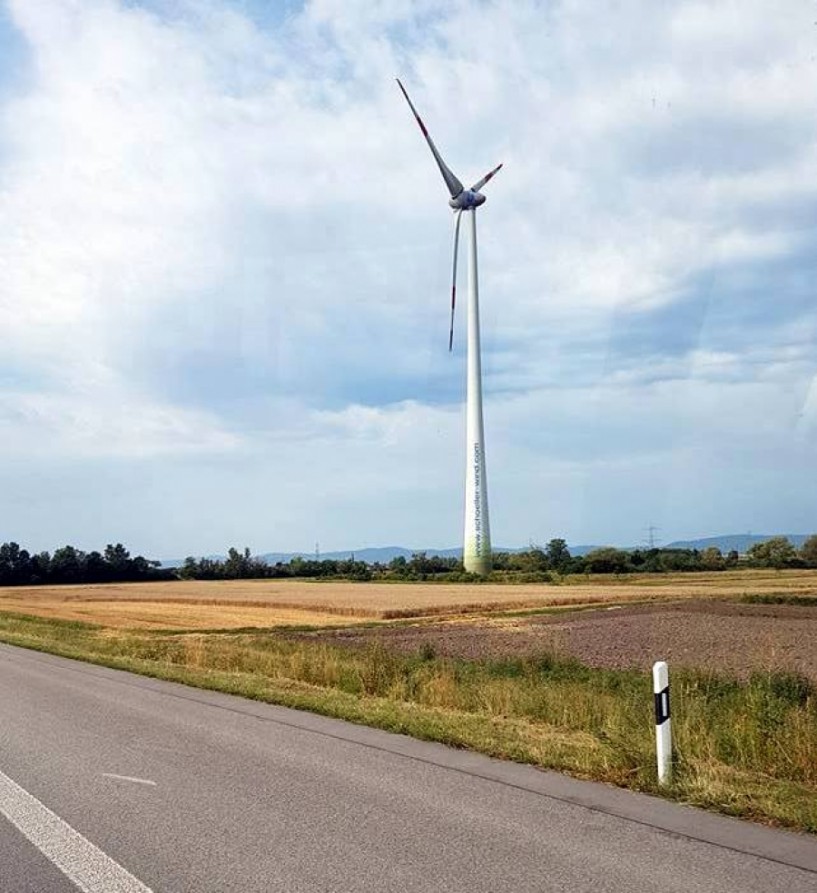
[{"x": 129, "y": 784}]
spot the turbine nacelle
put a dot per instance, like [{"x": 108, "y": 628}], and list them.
[
  {"x": 462, "y": 199},
  {"x": 467, "y": 200}
]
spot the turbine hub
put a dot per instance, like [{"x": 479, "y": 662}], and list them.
[{"x": 467, "y": 200}]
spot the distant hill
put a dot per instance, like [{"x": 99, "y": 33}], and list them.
[
  {"x": 370, "y": 554},
  {"x": 581, "y": 551},
  {"x": 741, "y": 542},
  {"x": 384, "y": 554}
]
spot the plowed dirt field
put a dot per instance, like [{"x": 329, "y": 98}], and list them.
[{"x": 714, "y": 635}]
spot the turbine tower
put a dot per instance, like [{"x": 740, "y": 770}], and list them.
[{"x": 477, "y": 538}]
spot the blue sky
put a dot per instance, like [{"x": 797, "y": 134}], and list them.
[{"x": 224, "y": 261}]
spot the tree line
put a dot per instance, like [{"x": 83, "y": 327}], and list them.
[
  {"x": 533, "y": 564},
  {"x": 18, "y": 567},
  {"x": 777, "y": 552},
  {"x": 244, "y": 565},
  {"x": 536, "y": 564}
]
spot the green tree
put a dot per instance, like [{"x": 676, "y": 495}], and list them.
[
  {"x": 15, "y": 564},
  {"x": 118, "y": 559},
  {"x": 190, "y": 569},
  {"x": 712, "y": 559},
  {"x": 670, "y": 560},
  {"x": 607, "y": 560},
  {"x": 67, "y": 565},
  {"x": 557, "y": 554},
  {"x": 398, "y": 566},
  {"x": 97, "y": 569},
  {"x": 534, "y": 561},
  {"x": 40, "y": 565},
  {"x": 140, "y": 567},
  {"x": 776, "y": 552},
  {"x": 808, "y": 551},
  {"x": 501, "y": 561},
  {"x": 238, "y": 565}
]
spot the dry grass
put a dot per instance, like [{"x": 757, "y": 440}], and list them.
[
  {"x": 167, "y": 615},
  {"x": 217, "y": 604}
]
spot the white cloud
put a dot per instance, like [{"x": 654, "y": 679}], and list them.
[
  {"x": 99, "y": 424},
  {"x": 226, "y": 237}
]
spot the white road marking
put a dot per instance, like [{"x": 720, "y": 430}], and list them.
[
  {"x": 129, "y": 778},
  {"x": 77, "y": 858}
]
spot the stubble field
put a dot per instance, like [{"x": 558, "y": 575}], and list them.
[
  {"x": 693, "y": 620},
  {"x": 234, "y": 604}
]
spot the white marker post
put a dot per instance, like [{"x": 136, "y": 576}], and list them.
[{"x": 663, "y": 729}]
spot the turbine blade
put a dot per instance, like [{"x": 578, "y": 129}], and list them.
[
  {"x": 454, "y": 280},
  {"x": 453, "y": 184},
  {"x": 480, "y": 183}
]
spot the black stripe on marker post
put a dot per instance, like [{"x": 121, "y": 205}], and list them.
[{"x": 661, "y": 706}]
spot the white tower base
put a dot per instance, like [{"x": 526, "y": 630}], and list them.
[{"x": 477, "y": 541}]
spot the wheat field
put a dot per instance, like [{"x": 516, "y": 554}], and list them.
[{"x": 230, "y": 604}]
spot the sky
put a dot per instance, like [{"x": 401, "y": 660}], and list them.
[{"x": 225, "y": 261}]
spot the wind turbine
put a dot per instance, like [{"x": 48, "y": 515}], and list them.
[{"x": 477, "y": 539}]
